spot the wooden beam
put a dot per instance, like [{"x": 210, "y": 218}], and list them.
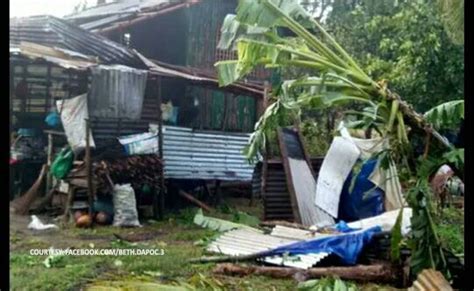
[
  {"x": 161, "y": 200},
  {"x": 88, "y": 161},
  {"x": 195, "y": 201},
  {"x": 362, "y": 273}
]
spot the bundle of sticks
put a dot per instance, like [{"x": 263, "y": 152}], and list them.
[{"x": 139, "y": 170}]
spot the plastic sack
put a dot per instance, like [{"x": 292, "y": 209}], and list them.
[
  {"x": 62, "y": 164},
  {"x": 53, "y": 119},
  {"x": 74, "y": 112},
  {"x": 138, "y": 144},
  {"x": 365, "y": 200},
  {"x": 346, "y": 246},
  {"x": 125, "y": 206}
]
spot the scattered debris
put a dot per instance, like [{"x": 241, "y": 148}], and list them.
[
  {"x": 52, "y": 260},
  {"x": 36, "y": 224},
  {"x": 216, "y": 223},
  {"x": 334, "y": 284},
  {"x": 273, "y": 223},
  {"x": 194, "y": 200},
  {"x": 430, "y": 280}
]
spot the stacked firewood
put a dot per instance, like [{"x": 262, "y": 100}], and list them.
[{"x": 139, "y": 170}]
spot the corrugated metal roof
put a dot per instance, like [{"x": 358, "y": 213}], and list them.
[
  {"x": 54, "y": 32},
  {"x": 190, "y": 154},
  {"x": 121, "y": 7},
  {"x": 245, "y": 242},
  {"x": 200, "y": 76}
]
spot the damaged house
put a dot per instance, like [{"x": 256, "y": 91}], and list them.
[{"x": 131, "y": 62}]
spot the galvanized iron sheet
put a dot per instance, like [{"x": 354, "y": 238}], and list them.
[
  {"x": 277, "y": 204},
  {"x": 54, "y": 32},
  {"x": 117, "y": 92},
  {"x": 190, "y": 154},
  {"x": 245, "y": 242}
]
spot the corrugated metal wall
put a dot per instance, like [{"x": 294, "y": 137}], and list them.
[
  {"x": 117, "y": 92},
  {"x": 207, "y": 155}
]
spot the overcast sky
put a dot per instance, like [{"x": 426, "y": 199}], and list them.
[{"x": 59, "y": 8}]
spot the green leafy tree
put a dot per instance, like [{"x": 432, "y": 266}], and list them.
[{"x": 404, "y": 42}]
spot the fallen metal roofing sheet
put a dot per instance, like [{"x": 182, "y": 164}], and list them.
[
  {"x": 54, "y": 32},
  {"x": 244, "y": 242}
]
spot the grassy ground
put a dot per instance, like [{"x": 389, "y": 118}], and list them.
[
  {"x": 450, "y": 227},
  {"x": 177, "y": 235}
]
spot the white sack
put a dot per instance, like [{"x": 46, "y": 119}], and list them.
[{"x": 73, "y": 114}]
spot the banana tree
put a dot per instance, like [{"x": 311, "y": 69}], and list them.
[{"x": 280, "y": 34}]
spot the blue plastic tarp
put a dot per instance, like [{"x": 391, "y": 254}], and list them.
[
  {"x": 346, "y": 246},
  {"x": 364, "y": 199}
]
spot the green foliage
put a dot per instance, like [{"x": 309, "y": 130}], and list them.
[
  {"x": 455, "y": 157},
  {"x": 244, "y": 218},
  {"x": 446, "y": 115},
  {"x": 452, "y": 15},
  {"x": 425, "y": 243},
  {"x": 449, "y": 224},
  {"x": 405, "y": 44},
  {"x": 316, "y": 136},
  {"x": 334, "y": 284},
  {"x": 396, "y": 238}
]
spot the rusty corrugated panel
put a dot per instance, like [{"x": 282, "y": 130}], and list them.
[
  {"x": 430, "y": 280},
  {"x": 117, "y": 92},
  {"x": 200, "y": 76},
  {"x": 257, "y": 181},
  {"x": 54, "y": 32},
  {"x": 277, "y": 204},
  {"x": 246, "y": 242}
]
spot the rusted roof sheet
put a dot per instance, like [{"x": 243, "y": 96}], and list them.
[
  {"x": 64, "y": 58},
  {"x": 200, "y": 76},
  {"x": 54, "y": 32},
  {"x": 430, "y": 280}
]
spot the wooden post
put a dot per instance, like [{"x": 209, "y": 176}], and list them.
[
  {"x": 88, "y": 162},
  {"x": 217, "y": 192},
  {"x": 49, "y": 177},
  {"x": 161, "y": 200}
]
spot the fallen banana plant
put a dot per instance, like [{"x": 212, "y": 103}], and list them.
[{"x": 280, "y": 34}]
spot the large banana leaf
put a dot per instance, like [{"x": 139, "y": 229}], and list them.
[{"x": 446, "y": 114}]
